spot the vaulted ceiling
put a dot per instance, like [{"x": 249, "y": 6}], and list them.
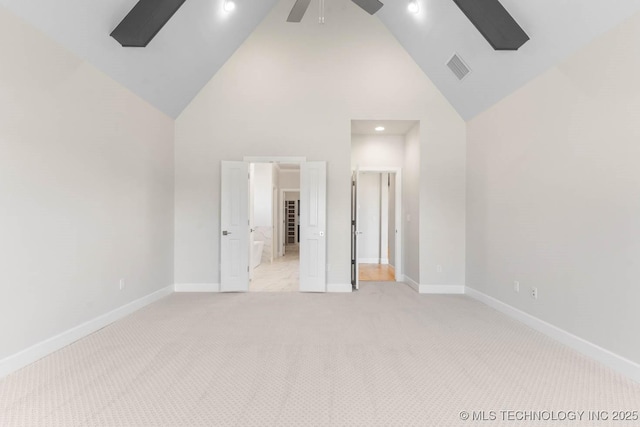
[{"x": 201, "y": 37}]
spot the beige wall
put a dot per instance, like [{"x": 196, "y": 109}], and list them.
[
  {"x": 86, "y": 191},
  {"x": 377, "y": 151},
  {"x": 292, "y": 90},
  {"x": 553, "y": 194}
]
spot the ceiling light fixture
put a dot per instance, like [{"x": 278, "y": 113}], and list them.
[
  {"x": 228, "y": 5},
  {"x": 414, "y": 7},
  {"x": 379, "y": 128}
]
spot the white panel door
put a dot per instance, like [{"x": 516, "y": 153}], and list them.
[
  {"x": 313, "y": 226},
  {"x": 234, "y": 227}
]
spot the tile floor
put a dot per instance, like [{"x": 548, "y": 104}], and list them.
[{"x": 282, "y": 275}]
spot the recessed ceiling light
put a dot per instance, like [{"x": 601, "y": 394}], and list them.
[
  {"x": 228, "y": 5},
  {"x": 379, "y": 128},
  {"x": 414, "y": 7}
]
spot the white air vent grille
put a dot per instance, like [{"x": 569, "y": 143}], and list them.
[{"x": 459, "y": 68}]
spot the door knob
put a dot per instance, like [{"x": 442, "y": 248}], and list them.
[{"x": 226, "y": 233}]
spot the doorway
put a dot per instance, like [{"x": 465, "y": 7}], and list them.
[
  {"x": 387, "y": 153},
  {"x": 244, "y": 229},
  {"x": 274, "y": 267},
  {"x": 376, "y": 225}
]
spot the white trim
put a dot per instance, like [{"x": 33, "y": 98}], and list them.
[
  {"x": 44, "y": 348},
  {"x": 411, "y": 283},
  {"x": 384, "y": 261},
  {"x": 616, "y": 362},
  {"x": 381, "y": 169},
  {"x": 273, "y": 159},
  {"x": 196, "y": 287},
  {"x": 339, "y": 287},
  {"x": 442, "y": 289}
]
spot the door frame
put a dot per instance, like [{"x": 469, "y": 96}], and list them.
[
  {"x": 398, "y": 208},
  {"x": 276, "y": 160},
  {"x": 281, "y": 228},
  {"x": 281, "y": 159}
]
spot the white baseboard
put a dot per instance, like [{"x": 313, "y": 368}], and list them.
[
  {"x": 339, "y": 287},
  {"x": 433, "y": 289},
  {"x": 412, "y": 283},
  {"x": 384, "y": 261},
  {"x": 196, "y": 287},
  {"x": 614, "y": 361},
  {"x": 38, "y": 351},
  {"x": 441, "y": 289}
]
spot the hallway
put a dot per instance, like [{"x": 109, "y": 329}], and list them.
[
  {"x": 376, "y": 273},
  {"x": 282, "y": 275}
]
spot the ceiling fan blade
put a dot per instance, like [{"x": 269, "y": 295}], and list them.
[
  {"x": 298, "y": 10},
  {"x": 370, "y": 6}
]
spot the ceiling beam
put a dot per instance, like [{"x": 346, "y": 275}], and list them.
[
  {"x": 369, "y": 6},
  {"x": 144, "y": 21},
  {"x": 494, "y": 23}
]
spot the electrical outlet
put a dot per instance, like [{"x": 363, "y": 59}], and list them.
[
  {"x": 534, "y": 293},
  {"x": 516, "y": 286},
  {"x": 439, "y": 268},
  {"x": 121, "y": 284}
]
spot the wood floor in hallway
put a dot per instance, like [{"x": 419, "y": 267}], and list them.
[{"x": 377, "y": 273}]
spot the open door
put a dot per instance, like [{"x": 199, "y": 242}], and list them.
[
  {"x": 313, "y": 225},
  {"x": 355, "y": 266},
  {"x": 234, "y": 227}
]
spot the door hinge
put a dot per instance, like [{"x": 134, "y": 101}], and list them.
[{"x": 247, "y": 268}]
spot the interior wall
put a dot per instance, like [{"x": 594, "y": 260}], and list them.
[
  {"x": 262, "y": 187},
  {"x": 289, "y": 178},
  {"x": 411, "y": 205},
  {"x": 275, "y": 212},
  {"x": 291, "y": 90},
  {"x": 86, "y": 191},
  {"x": 261, "y": 191},
  {"x": 380, "y": 151},
  {"x": 553, "y": 195},
  {"x": 369, "y": 217}
]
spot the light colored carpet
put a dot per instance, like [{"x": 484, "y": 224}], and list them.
[{"x": 383, "y": 356}]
